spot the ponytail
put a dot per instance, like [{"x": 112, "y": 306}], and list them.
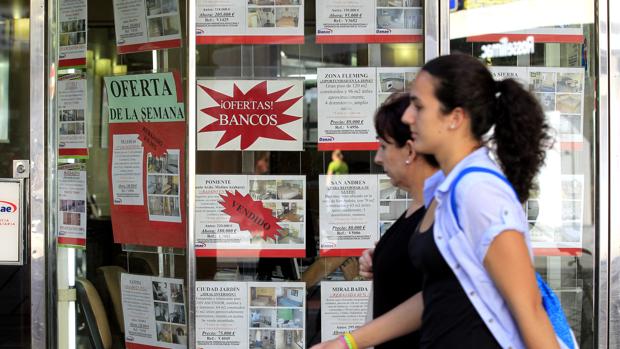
[
  {"x": 521, "y": 135},
  {"x": 520, "y": 131}
]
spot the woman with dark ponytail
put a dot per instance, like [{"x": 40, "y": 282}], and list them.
[{"x": 480, "y": 288}]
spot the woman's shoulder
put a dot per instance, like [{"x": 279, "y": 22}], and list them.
[{"x": 483, "y": 183}]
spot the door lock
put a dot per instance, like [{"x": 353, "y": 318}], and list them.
[{"x": 21, "y": 168}]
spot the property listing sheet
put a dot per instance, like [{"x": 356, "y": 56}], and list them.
[
  {"x": 347, "y": 100},
  {"x": 154, "y": 312},
  {"x": 72, "y": 205},
  {"x": 249, "y": 22},
  {"x": 344, "y": 306},
  {"x": 146, "y": 163},
  {"x": 145, "y": 25},
  {"x": 240, "y": 215},
  {"x": 556, "y": 228},
  {"x": 72, "y": 33},
  {"x": 72, "y": 102},
  {"x": 355, "y": 210},
  {"x": 369, "y": 21},
  {"x": 244, "y": 315}
]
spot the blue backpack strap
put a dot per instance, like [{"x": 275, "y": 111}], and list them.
[
  {"x": 460, "y": 176},
  {"x": 550, "y": 301}
]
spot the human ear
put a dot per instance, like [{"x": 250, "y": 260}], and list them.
[
  {"x": 456, "y": 118},
  {"x": 411, "y": 154}
]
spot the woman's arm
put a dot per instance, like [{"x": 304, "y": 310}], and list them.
[
  {"x": 366, "y": 264},
  {"x": 508, "y": 262},
  {"x": 404, "y": 319}
]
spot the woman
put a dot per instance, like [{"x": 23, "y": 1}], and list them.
[
  {"x": 390, "y": 259},
  {"x": 480, "y": 289}
]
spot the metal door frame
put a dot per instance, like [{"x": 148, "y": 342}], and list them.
[
  {"x": 609, "y": 306},
  {"x": 41, "y": 188}
]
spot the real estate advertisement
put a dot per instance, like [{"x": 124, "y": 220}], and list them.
[
  {"x": 374, "y": 21},
  {"x": 560, "y": 92},
  {"x": 250, "y": 114},
  {"x": 249, "y": 22},
  {"x": 72, "y": 205},
  {"x": 154, "y": 312},
  {"x": 71, "y": 105},
  {"x": 145, "y": 25},
  {"x": 244, "y": 315},
  {"x": 355, "y": 210},
  {"x": 147, "y": 159},
  {"x": 556, "y": 229},
  {"x": 344, "y": 307},
  {"x": 72, "y": 33},
  {"x": 554, "y": 226},
  {"x": 347, "y": 101},
  {"x": 240, "y": 216}
]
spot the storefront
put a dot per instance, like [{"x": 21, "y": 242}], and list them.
[{"x": 175, "y": 181}]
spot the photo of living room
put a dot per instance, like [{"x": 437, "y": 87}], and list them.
[
  {"x": 414, "y": 18},
  {"x": 390, "y": 19},
  {"x": 261, "y": 17},
  {"x": 542, "y": 81},
  {"x": 168, "y": 163},
  {"x": 571, "y": 127},
  {"x": 290, "y": 297},
  {"x": 289, "y": 339},
  {"x": 290, "y": 318},
  {"x": 290, "y": 211},
  {"x": 391, "y": 210},
  {"x": 262, "y": 339},
  {"x": 262, "y": 296},
  {"x": 73, "y": 205},
  {"x": 570, "y": 82},
  {"x": 164, "y": 206},
  {"x": 568, "y": 103},
  {"x": 290, "y": 189},
  {"x": 392, "y": 82},
  {"x": 163, "y": 185},
  {"x": 262, "y": 317},
  {"x": 261, "y": 189},
  {"x": 71, "y": 218},
  {"x": 287, "y": 17},
  {"x": 389, "y": 192},
  {"x": 546, "y": 100},
  {"x": 290, "y": 234}
]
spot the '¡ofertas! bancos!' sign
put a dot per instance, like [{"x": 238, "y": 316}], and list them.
[{"x": 250, "y": 114}]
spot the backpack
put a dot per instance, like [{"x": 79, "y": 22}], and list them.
[{"x": 550, "y": 301}]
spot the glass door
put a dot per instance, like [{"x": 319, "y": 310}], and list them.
[
  {"x": 15, "y": 295},
  {"x": 329, "y": 64},
  {"x": 551, "y": 48}
]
